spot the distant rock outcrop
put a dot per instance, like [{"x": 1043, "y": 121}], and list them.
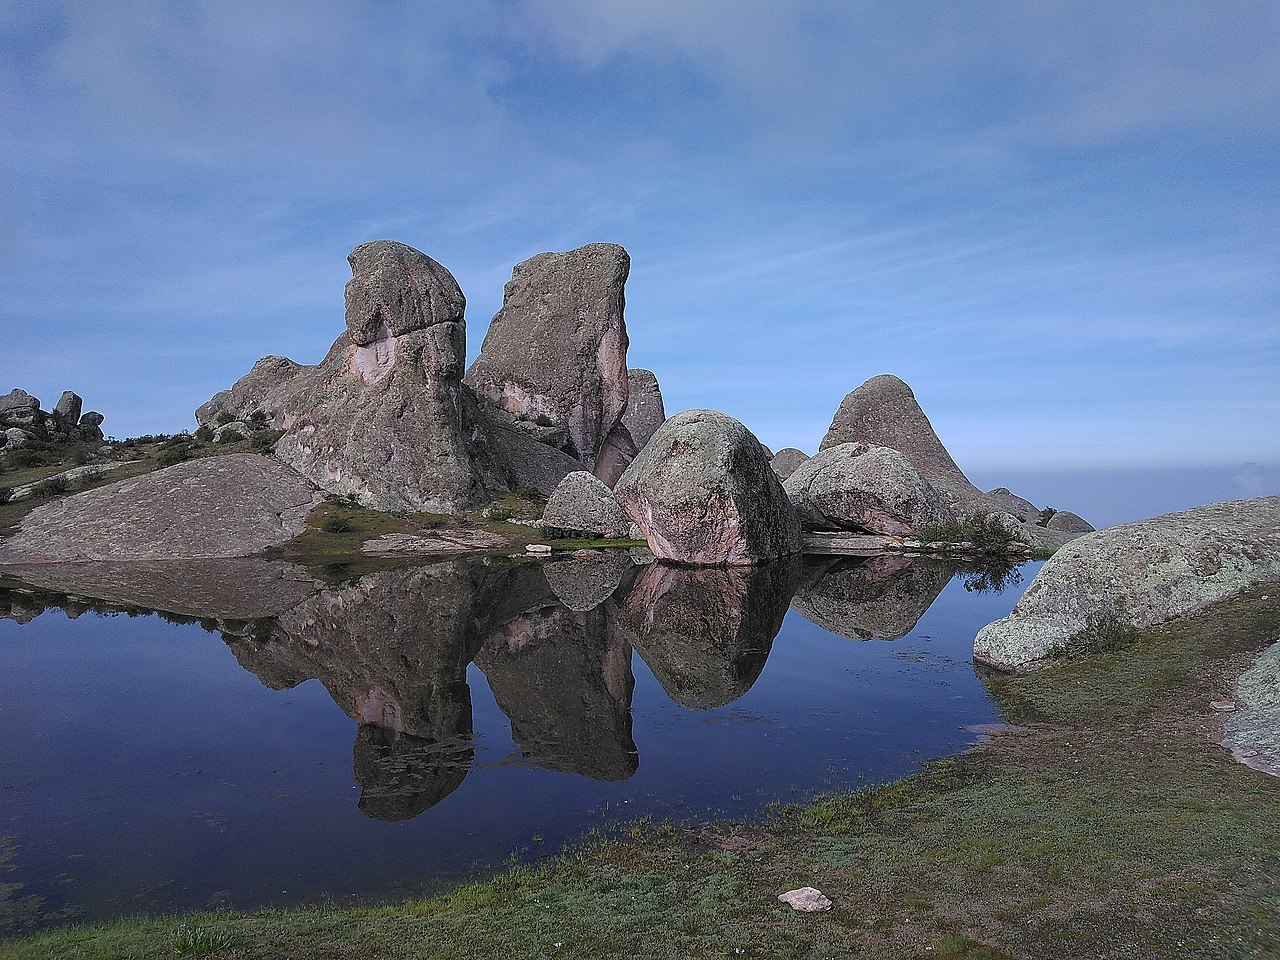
[
  {"x": 702, "y": 492},
  {"x": 855, "y": 486},
  {"x": 645, "y": 412},
  {"x": 884, "y": 412},
  {"x": 1064, "y": 521},
  {"x": 786, "y": 460},
  {"x": 232, "y": 506},
  {"x": 22, "y": 421},
  {"x": 1136, "y": 575},
  {"x": 555, "y": 355},
  {"x": 582, "y": 504},
  {"x": 384, "y": 416}
]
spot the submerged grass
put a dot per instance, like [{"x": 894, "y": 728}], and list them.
[{"x": 1108, "y": 824}]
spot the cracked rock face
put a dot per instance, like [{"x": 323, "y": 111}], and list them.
[
  {"x": 384, "y": 417},
  {"x": 702, "y": 492},
  {"x": 555, "y": 355},
  {"x": 231, "y": 506},
  {"x": 583, "y": 504}
]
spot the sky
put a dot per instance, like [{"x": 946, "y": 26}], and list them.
[{"x": 1058, "y": 222}]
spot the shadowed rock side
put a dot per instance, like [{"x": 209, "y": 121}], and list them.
[
  {"x": 856, "y": 486},
  {"x": 881, "y": 598},
  {"x": 222, "y": 589},
  {"x": 1139, "y": 574},
  {"x": 706, "y": 632},
  {"x": 645, "y": 411},
  {"x": 232, "y": 506},
  {"x": 384, "y": 416},
  {"x": 555, "y": 355},
  {"x": 702, "y": 492},
  {"x": 564, "y": 681}
]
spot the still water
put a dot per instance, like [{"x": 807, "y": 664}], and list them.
[{"x": 271, "y": 739}]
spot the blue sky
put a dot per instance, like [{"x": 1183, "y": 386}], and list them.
[{"x": 1059, "y": 223}]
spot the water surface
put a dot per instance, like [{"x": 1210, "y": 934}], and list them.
[{"x": 273, "y": 739}]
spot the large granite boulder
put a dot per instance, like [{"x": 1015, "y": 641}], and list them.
[
  {"x": 556, "y": 353},
  {"x": 582, "y": 504},
  {"x": 18, "y": 409},
  {"x": 233, "y": 506},
  {"x": 855, "y": 486},
  {"x": 645, "y": 412},
  {"x": 702, "y": 492},
  {"x": 786, "y": 460},
  {"x": 68, "y": 408},
  {"x": 384, "y": 417},
  {"x": 884, "y": 412},
  {"x": 1136, "y": 575},
  {"x": 1004, "y": 500}
]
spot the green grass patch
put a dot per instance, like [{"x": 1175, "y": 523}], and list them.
[{"x": 985, "y": 532}]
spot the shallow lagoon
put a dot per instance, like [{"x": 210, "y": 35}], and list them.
[{"x": 393, "y": 734}]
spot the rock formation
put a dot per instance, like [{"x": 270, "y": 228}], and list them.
[
  {"x": 555, "y": 354},
  {"x": 583, "y": 506},
  {"x": 22, "y": 421},
  {"x": 702, "y": 492},
  {"x": 786, "y": 460},
  {"x": 231, "y": 506},
  {"x": 645, "y": 412},
  {"x": 384, "y": 416},
  {"x": 1064, "y": 521},
  {"x": 855, "y": 486},
  {"x": 1136, "y": 575},
  {"x": 1253, "y": 732},
  {"x": 884, "y": 412}
]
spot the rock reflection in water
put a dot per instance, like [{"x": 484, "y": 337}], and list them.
[
  {"x": 706, "y": 632},
  {"x": 874, "y": 598}
]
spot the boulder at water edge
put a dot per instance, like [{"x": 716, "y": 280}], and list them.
[
  {"x": 855, "y": 486},
  {"x": 232, "y": 506},
  {"x": 1139, "y": 574},
  {"x": 702, "y": 492},
  {"x": 582, "y": 504},
  {"x": 384, "y": 416}
]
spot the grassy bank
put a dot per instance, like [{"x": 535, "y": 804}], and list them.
[{"x": 1107, "y": 823}]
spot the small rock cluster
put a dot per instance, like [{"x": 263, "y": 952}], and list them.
[{"x": 22, "y": 421}]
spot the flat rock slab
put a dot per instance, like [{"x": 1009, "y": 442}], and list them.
[
  {"x": 445, "y": 541},
  {"x": 806, "y": 900},
  {"x": 1253, "y": 730},
  {"x": 233, "y": 506}
]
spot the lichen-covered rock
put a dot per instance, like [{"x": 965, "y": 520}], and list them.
[
  {"x": 645, "y": 412},
  {"x": 15, "y": 437},
  {"x": 384, "y": 417},
  {"x": 1253, "y": 731},
  {"x": 1139, "y": 574},
  {"x": 786, "y": 460},
  {"x": 856, "y": 486},
  {"x": 19, "y": 409},
  {"x": 1064, "y": 521},
  {"x": 583, "y": 504},
  {"x": 556, "y": 353},
  {"x": 233, "y": 506},
  {"x": 702, "y": 492},
  {"x": 1006, "y": 501}
]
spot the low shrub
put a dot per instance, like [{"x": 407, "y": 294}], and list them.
[
  {"x": 6, "y": 494},
  {"x": 1045, "y": 516},
  {"x": 265, "y": 441},
  {"x": 225, "y": 417},
  {"x": 230, "y": 436},
  {"x": 1105, "y": 630},
  {"x": 985, "y": 531},
  {"x": 204, "y": 434},
  {"x": 531, "y": 494},
  {"x": 258, "y": 417},
  {"x": 335, "y": 523},
  {"x": 50, "y": 487},
  {"x": 175, "y": 454}
]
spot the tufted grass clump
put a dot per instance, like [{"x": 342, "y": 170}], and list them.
[
  {"x": 985, "y": 531},
  {"x": 193, "y": 941},
  {"x": 1106, "y": 630}
]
